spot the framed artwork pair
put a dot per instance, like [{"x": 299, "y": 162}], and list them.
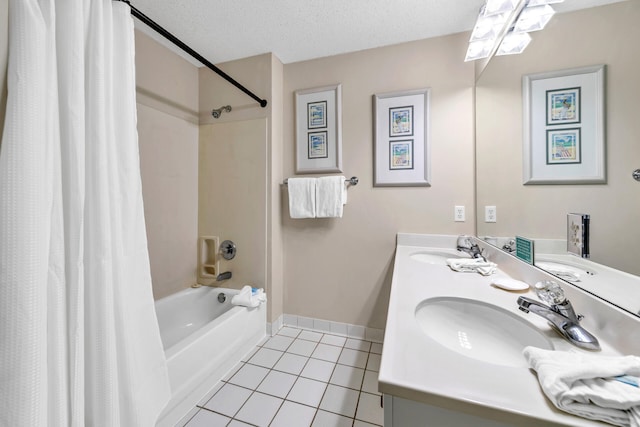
[
  {"x": 564, "y": 127},
  {"x": 319, "y": 130},
  {"x": 401, "y": 139},
  {"x": 401, "y": 135}
]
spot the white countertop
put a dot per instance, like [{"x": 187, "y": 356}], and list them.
[{"x": 417, "y": 367}]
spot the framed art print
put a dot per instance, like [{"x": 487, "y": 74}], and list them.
[
  {"x": 401, "y": 139},
  {"x": 401, "y": 154},
  {"x": 317, "y": 115},
  {"x": 401, "y": 121},
  {"x": 317, "y": 145},
  {"x": 563, "y": 106},
  {"x": 563, "y": 123},
  {"x": 563, "y": 146},
  {"x": 318, "y": 130}
]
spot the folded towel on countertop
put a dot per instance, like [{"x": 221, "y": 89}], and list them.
[
  {"x": 472, "y": 265},
  {"x": 603, "y": 388},
  {"x": 249, "y": 297},
  {"x": 302, "y": 197},
  {"x": 331, "y": 194}
]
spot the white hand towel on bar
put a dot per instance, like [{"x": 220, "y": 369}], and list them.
[
  {"x": 601, "y": 388},
  {"x": 302, "y": 197},
  {"x": 330, "y": 196}
]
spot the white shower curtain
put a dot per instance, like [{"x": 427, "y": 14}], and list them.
[{"x": 79, "y": 340}]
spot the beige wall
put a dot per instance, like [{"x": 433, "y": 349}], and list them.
[
  {"x": 275, "y": 232},
  {"x": 245, "y": 144},
  {"x": 340, "y": 269},
  {"x": 4, "y": 46},
  {"x": 254, "y": 73},
  {"x": 295, "y": 284},
  {"x": 605, "y": 35},
  {"x": 167, "y": 95},
  {"x": 233, "y": 196}
]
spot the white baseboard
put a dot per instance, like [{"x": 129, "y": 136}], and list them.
[{"x": 326, "y": 326}]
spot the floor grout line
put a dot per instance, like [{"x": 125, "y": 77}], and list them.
[{"x": 317, "y": 408}]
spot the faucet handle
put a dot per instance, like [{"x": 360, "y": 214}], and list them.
[
  {"x": 464, "y": 241},
  {"x": 550, "y": 292}
]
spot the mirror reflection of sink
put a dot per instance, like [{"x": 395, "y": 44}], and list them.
[
  {"x": 479, "y": 330},
  {"x": 436, "y": 257},
  {"x": 564, "y": 269}
]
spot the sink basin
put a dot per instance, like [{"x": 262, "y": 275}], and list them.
[
  {"x": 479, "y": 330},
  {"x": 435, "y": 257}
]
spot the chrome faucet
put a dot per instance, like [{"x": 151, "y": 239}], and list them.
[
  {"x": 559, "y": 313},
  {"x": 466, "y": 245},
  {"x": 510, "y": 246}
]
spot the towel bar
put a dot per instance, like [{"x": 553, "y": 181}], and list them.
[{"x": 351, "y": 181}]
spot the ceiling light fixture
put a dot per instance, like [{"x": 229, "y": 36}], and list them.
[
  {"x": 533, "y": 18},
  {"x": 503, "y": 26},
  {"x": 513, "y": 44},
  {"x": 493, "y": 7}
]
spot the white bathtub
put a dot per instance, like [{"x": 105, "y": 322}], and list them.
[{"x": 203, "y": 340}]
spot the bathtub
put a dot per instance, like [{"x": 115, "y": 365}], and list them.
[{"x": 203, "y": 339}]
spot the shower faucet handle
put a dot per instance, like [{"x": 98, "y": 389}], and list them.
[{"x": 228, "y": 249}]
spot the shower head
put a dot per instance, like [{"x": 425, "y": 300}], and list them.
[{"x": 217, "y": 113}]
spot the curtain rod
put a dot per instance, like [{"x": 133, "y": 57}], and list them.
[{"x": 173, "y": 39}]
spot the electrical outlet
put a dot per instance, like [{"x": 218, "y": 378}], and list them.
[
  {"x": 458, "y": 214},
  {"x": 490, "y": 214}
]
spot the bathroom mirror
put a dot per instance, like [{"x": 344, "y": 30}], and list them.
[{"x": 607, "y": 35}]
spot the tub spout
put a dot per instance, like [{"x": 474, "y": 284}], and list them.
[
  {"x": 219, "y": 278},
  {"x": 223, "y": 276}
]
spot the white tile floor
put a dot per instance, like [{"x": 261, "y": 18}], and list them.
[{"x": 298, "y": 378}]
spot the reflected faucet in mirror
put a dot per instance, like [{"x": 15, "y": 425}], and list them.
[
  {"x": 510, "y": 246},
  {"x": 466, "y": 245}
]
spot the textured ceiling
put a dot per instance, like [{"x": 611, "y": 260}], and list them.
[{"x": 297, "y": 30}]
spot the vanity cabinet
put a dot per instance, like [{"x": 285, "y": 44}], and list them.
[{"x": 399, "y": 412}]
